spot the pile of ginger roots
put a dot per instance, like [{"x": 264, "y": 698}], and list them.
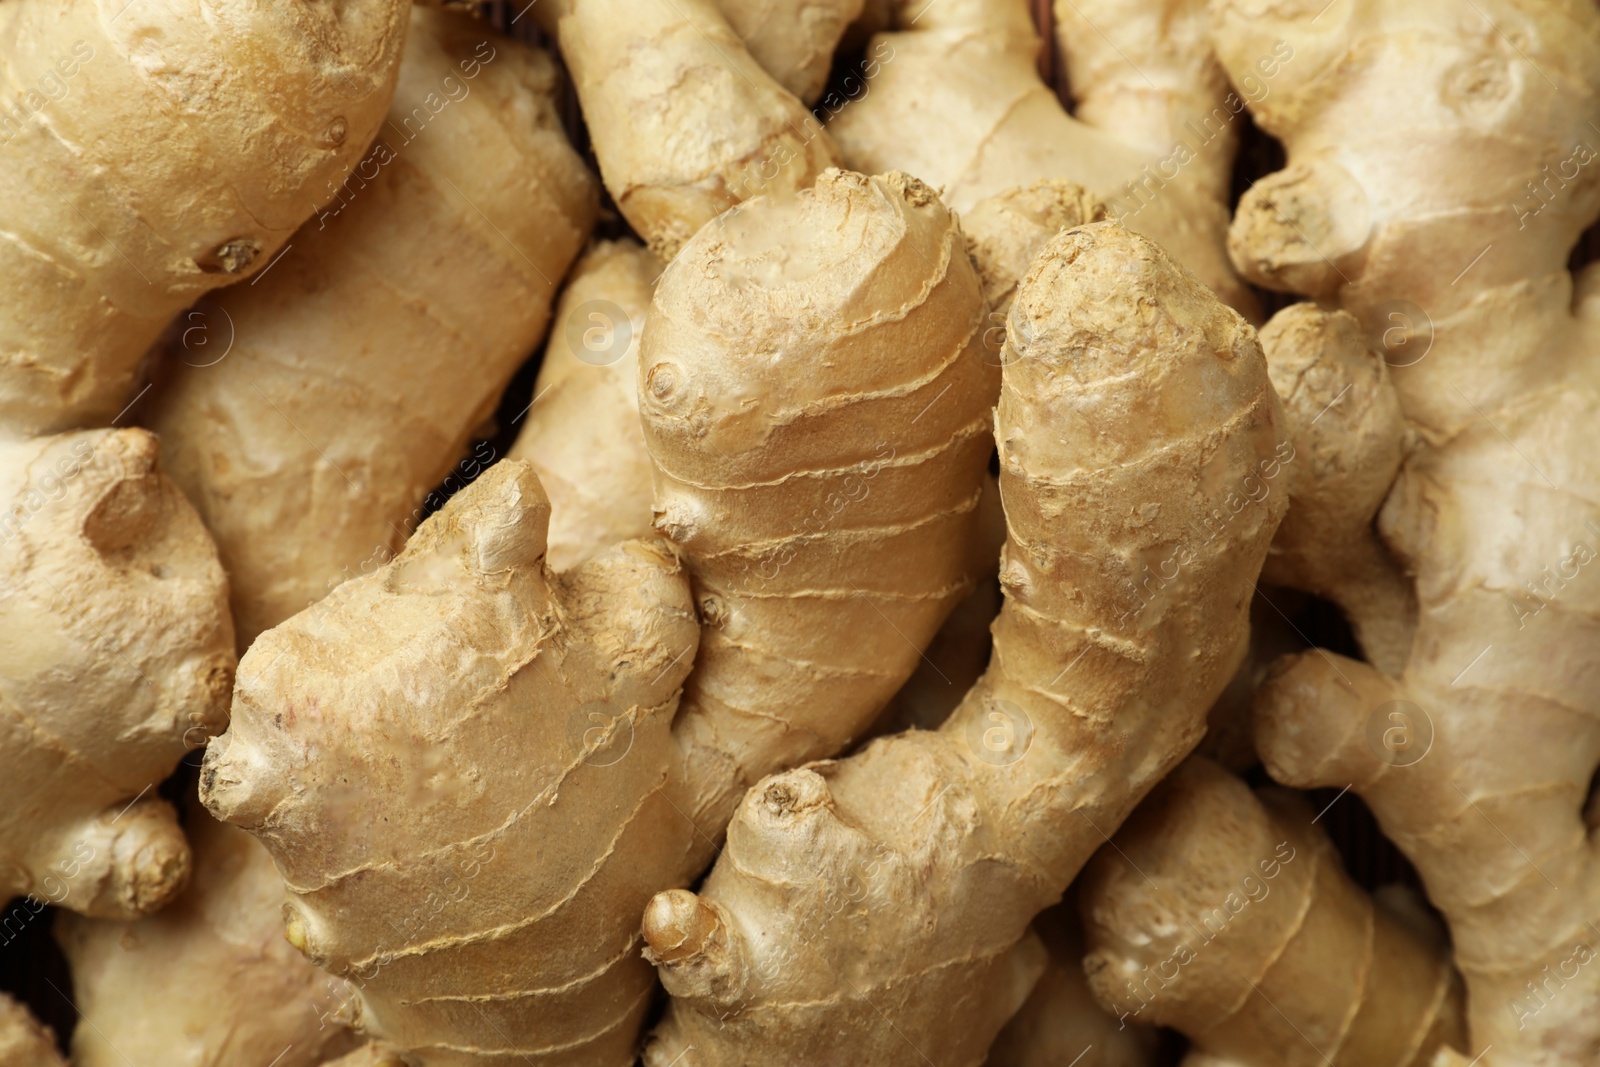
[{"x": 749, "y": 533}]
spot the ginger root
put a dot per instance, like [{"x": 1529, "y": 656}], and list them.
[
  {"x": 792, "y": 39},
  {"x": 1227, "y": 915},
  {"x": 210, "y": 979},
  {"x": 156, "y": 152},
  {"x": 953, "y": 96},
  {"x": 23, "y": 1041},
  {"x": 457, "y": 763},
  {"x": 875, "y": 910},
  {"x": 117, "y": 659},
  {"x": 562, "y": 690},
  {"x": 1476, "y": 749},
  {"x": 685, "y": 123},
  {"x": 816, "y": 401},
  {"x": 1061, "y": 1024},
  {"x": 583, "y": 435},
  {"x": 356, "y": 371}
]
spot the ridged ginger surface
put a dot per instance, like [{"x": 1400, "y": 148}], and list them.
[
  {"x": 330, "y": 395},
  {"x": 1444, "y": 227},
  {"x": 875, "y": 910}
]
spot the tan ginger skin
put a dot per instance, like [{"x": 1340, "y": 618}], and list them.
[
  {"x": 23, "y": 1041},
  {"x": 355, "y": 372},
  {"x": 1060, "y": 1024},
  {"x": 1344, "y": 417},
  {"x": 259, "y": 114},
  {"x": 684, "y": 122},
  {"x": 875, "y": 910},
  {"x": 474, "y": 921},
  {"x": 1227, "y": 915},
  {"x": 567, "y": 705},
  {"x": 116, "y": 658},
  {"x": 793, "y": 40},
  {"x": 955, "y": 98},
  {"x": 582, "y": 432},
  {"x": 209, "y": 980},
  {"x": 1444, "y": 226},
  {"x": 826, "y": 516},
  {"x": 118, "y": 650}
]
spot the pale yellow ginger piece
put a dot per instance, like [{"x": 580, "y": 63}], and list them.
[
  {"x": 534, "y": 943},
  {"x": 116, "y": 658},
  {"x": 875, "y": 910},
  {"x": 1349, "y": 436},
  {"x": 582, "y": 433},
  {"x": 152, "y": 152},
  {"x": 956, "y": 99},
  {"x": 817, "y": 402},
  {"x": 23, "y": 1041},
  {"x": 1061, "y": 1025},
  {"x": 793, "y": 40},
  {"x": 330, "y": 395},
  {"x": 1441, "y": 165},
  {"x": 684, "y": 122},
  {"x": 1227, "y": 915},
  {"x": 459, "y": 763},
  {"x": 207, "y": 982}
]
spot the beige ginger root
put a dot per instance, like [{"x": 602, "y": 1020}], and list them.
[
  {"x": 583, "y": 435},
  {"x": 875, "y": 910},
  {"x": 1344, "y": 418},
  {"x": 793, "y": 40},
  {"x": 1061, "y": 1025},
  {"x": 23, "y": 1041},
  {"x": 545, "y": 937},
  {"x": 684, "y": 122},
  {"x": 209, "y": 981},
  {"x": 154, "y": 152},
  {"x": 356, "y": 371},
  {"x": 418, "y": 754},
  {"x": 1444, "y": 227},
  {"x": 816, "y": 401},
  {"x": 1227, "y": 914},
  {"x": 954, "y": 97},
  {"x": 116, "y": 659}
]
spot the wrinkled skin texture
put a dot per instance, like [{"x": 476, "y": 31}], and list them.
[
  {"x": 685, "y": 123},
  {"x": 116, "y": 657},
  {"x": 209, "y": 981},
  {"x": 308, "y": 414},
  {"x": 817, "y": 403},
  {"x": 582, "y": 432},
  {"x": 792, "y": 39},
  {"x": 953, "y": 97},
  {"x": 1478, "y": 752},
  {"x": 459, "y": 764},
  {"x": 1228, "y": 915},
  {"x": 875, "y": 910},
  {"x": 259, "y": 111}
]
